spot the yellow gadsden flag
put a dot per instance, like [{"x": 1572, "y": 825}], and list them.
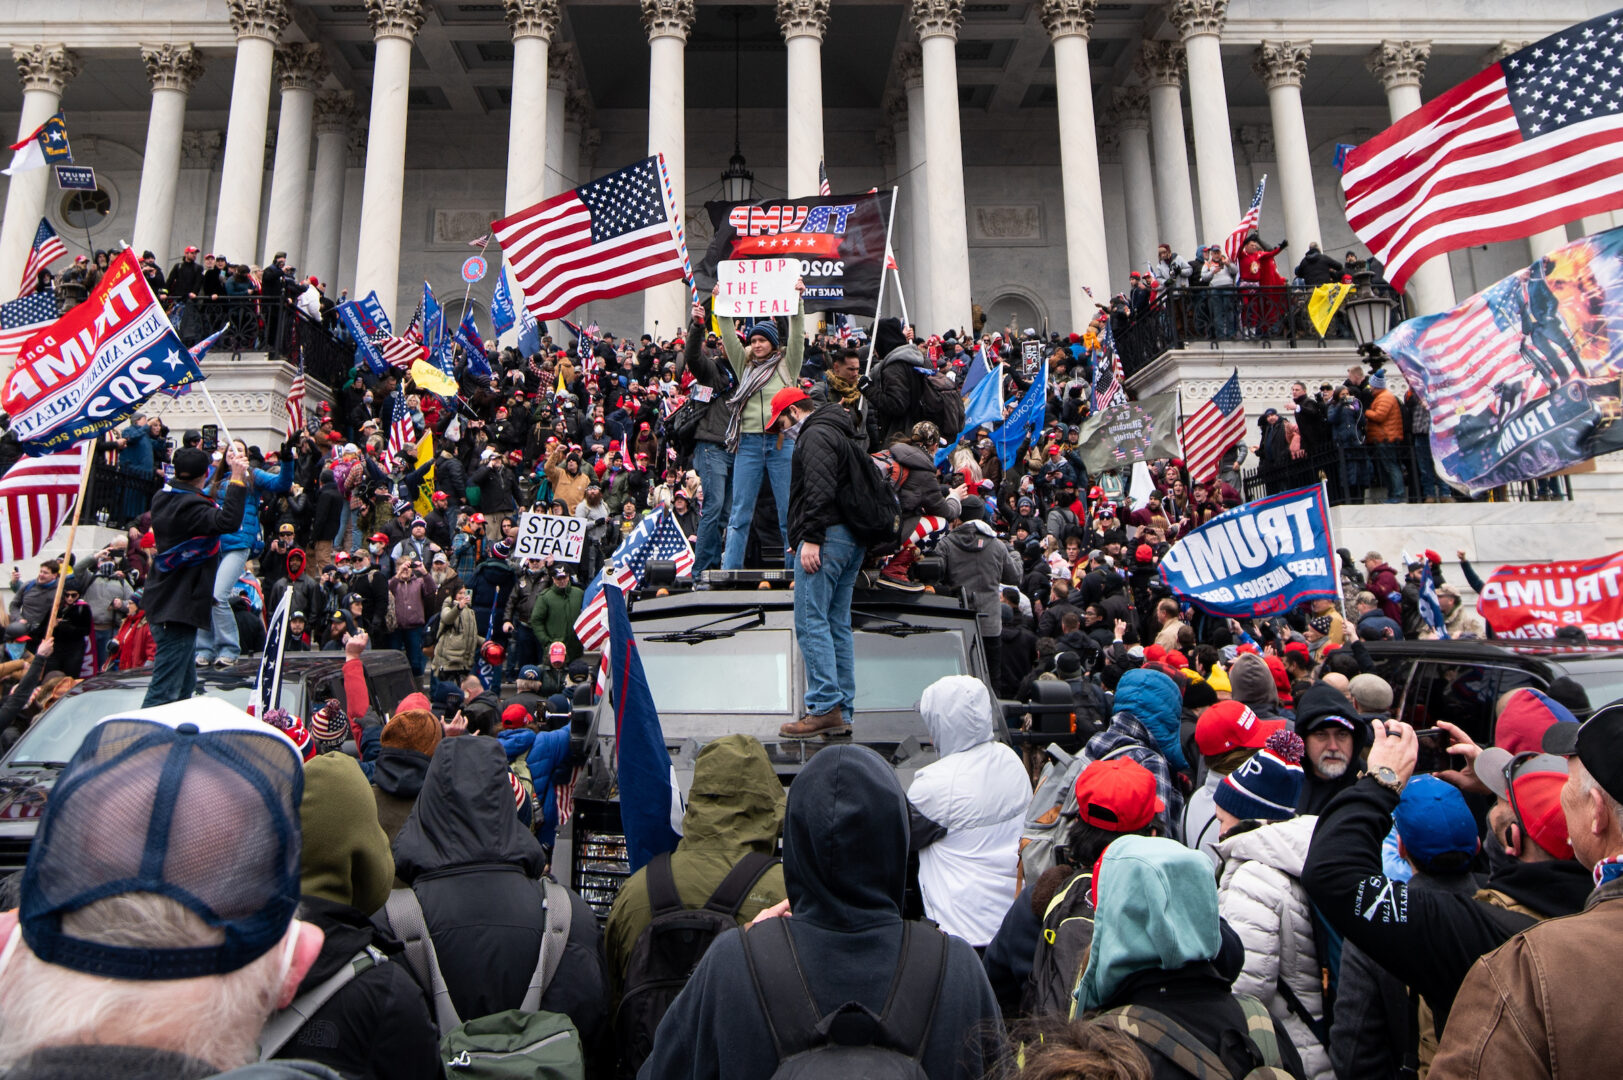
[
  {"x": 430, "y": 378},
  {"x": 1324, "y": 303},
  {"x": 424, "y": 502}
]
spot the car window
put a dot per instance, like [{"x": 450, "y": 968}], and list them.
[
  {"x": 1602, "y": 681},
  {"x": 892, "y": 672},
  {"x": 745, "y": 673},
  {"x": 57, "y": 734},
  {"x": 1464, "y": 694}
]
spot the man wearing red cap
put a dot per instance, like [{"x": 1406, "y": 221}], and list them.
[{"x": 1227, "y": 734}]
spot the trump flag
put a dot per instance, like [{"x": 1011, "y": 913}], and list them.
[{"x": 1262, "y": 558}]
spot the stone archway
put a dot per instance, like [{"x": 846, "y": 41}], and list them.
[{"x": 1017, "y": 306}]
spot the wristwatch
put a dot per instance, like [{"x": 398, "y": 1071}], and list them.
[{"x": 1387, "y": 778}]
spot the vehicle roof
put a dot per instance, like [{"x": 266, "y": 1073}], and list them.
[{"x": 1499, "y": 649}]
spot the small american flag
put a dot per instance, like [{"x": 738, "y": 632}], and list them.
[
  {"x": 399, "y": 352},
  {"x": 401, "y": 430},
  {"x": 822, "y": 179},
  {"x": 295, "y": 402},
  {"x": 1216, "y": 426},
  {"x": 481, "y": 243},
  {"x": 22, "y": 318},
  {"x": 928, "y": 525},
  {"x": 35, "y": 496},
  {"x": 613, "y": 236},
  {"x": 1248, "y": 224},
  {"x": 48, "y": 248},
  {"x": 657, "y": 536},
  {"x": 1107, "y": 377}
]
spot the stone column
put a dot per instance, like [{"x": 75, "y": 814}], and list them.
[
  {"x": 937, "y": 23},
  {"x": 333, "y": 112},
  {"x": 1069, "y": 22},
  {"x": 1281, "y": 66},
  {"x": 919, "y": 275},
  {"x": 1201, "y": 24},
  {"x": 377, "y": 266},
  {"x": 172, "y": 70},
  {"x": 803, "y": 23},
  {"x": 242, "y": 176},
  {"x": 533, "y": 22},
  {"x": 1131, "y": 106},
  {"x": 44, "y": 71},
  {"x": 1400, "y": 65},
  {"x": 560, "y": 66},
  {"x": 667, "y": 23},
  {"x": 300, "y": 69},
  {"x": 1161, "y": 65},
  {"x": 349, "y": 232}
]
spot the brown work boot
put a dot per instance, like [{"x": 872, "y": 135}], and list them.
[{"x": 827, "y": 725}]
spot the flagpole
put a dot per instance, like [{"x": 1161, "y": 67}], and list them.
[
  {"x": 901, "y": 297},
  {"x": 73, "y": 531},
  {"x": 879, "y": 300},
  {"x": 1335, "y": 556},
  {"x": 208, "y": 397}
]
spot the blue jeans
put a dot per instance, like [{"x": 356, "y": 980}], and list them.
[
  {"x": 1426, "y": 478},
  {"x": 1389, "y": 461},
  {"x": 823, "y": 623},
  {"x": 409, "y": 640},
  {"x": 715, "y": 468},
  {"x": 174, "y": 671},
  {"x": 758, "y": 456},
  {"x": 222, "y": 640}
]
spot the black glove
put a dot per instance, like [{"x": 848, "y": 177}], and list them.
[
  {"x": 1283, "y": 244},
  {"x": 863, "y": 383}
]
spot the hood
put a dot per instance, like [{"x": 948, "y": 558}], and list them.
[
  {"x": 1281, "y": 845},
  {"x": 1251, "y": 681},
  {"x": 1152, "y": 697},
  {"x": 465, "y": 815},
  {"x": 295, "y": 563},
  {"x": 1156, "y": 910},
  {"x": 888, "y": 335},
  {"x": 400, "y": 772},
  {"x": 958, "y": 711},
  {"x": 845, "y": 841},
  {"x": 905, "y": 354},
  {"x": 1322, "y": 700},
  {"x": 346, "y": 856},
  {"x": 971, "y": 535},
  {"x": 736, "y": 800},
  {"x": 911, "y": 456}
]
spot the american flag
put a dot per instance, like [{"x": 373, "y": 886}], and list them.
[
  {"x": 481, "y": 243},
  {"x": 657, "y": 536},
  {"x": 401, "y": 430},
  {"x": 928, "y": 525},
  {"x": 1528, "y": 144},
  {"x": 22, "y": 318},
  {"x": 1468, "y": 355},
  {"x": 604, "y": 239},
  {"x": 399, "y": 352},
  {"x": 295, "y": 402},
  {"x": 1247, "y": 225},
  {"x": 1216, "y": 426},
  {"x": 48, "y": 248},
  {"x": 822, "y": 179},
  {"x": 36, "y": 494},
  {"x": 1107, "y": 376}
]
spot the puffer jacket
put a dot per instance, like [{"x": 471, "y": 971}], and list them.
[
  {"x": 966, "y": 811},
  {"x": 817, "y": 474},
  {"x": 263, "y": 486},
  {"x": 979, "y": 563},
  {"x": 457, "y": 647},
  {"x": 1385, "y": 418},
  {"x": 1260, "y": 894}
]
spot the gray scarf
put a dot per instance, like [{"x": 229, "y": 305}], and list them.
[{"x": 756, "y": 376}]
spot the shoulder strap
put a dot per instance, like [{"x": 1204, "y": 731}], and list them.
[
  {"x": 914, "y": 992},
  {"x": 281, "y": 1027},
  {"x": 729, "y": 895},
  {"x": 662, "y": 895},
  {"x": 1259, "y": 1025},
  {"x": 786, "y": 1001},
  {"x": 1319, "y": 1028},
  {"x": 557, "y": 910},
  {"x": 1161, "y": 1033},
  {"x": 405, "y": 918}
]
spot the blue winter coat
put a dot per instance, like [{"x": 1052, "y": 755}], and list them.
[
  {"x": 547, "y": 755},
  {"x": 265, "y": 485}
]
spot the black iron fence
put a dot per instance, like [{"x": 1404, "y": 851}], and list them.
[
  {"x": 1383, "y": 472},
  {"x": 115, "y": 497},
  {"x": 269, "y": 325}
]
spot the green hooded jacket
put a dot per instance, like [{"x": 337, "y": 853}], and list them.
[
  {"x": 734, "y": 807},
  {"x": 553, "y": 618}
]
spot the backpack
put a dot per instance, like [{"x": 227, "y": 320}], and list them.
[
  {"x": 941, "y": 402},
  {"x": 873, "y": 513},
  {"x": 850, "y": 1041},
  {"x": 1062, "y": 950},
  {"x": 1053, "y": 805},
  {"x": 670, "y": 947},
  {"x": 517, "y": 1043},
  {"x": 286, "y": 1023},
  {"x": 1169, "y": 1039}
]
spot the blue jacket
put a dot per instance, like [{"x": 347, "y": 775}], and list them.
[
  {"x": 547, "y": 755},
  {"x": 138, "y": 456},
  {"x": 265, "y": 485}
]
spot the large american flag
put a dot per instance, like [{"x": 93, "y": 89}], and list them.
[
  {"x": 36, "y": 494},
  {"x": 295, "y": 402},
  {"x": 604, "y": 239},
  {"x": 1216, "y": 426},
  {"x": 1528, "y": 144},
  {"x": 22, "y": 318},
  {"x": 48, "y": 248},
  {"x": 401, "y": 430},
  {"x": 657, "y": 536},
  {"x": 1248, "y": 223}
]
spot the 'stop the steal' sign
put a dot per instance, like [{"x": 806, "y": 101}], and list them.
[
  {"x": 1258, "y": 559},
  {"x": 543, "y": 535},
  {"x": 757, "y": 288}
]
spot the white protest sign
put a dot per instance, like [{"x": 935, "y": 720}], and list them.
[
  {"x": 756, "y": 288},
  {"x": 540, "y": 535}
]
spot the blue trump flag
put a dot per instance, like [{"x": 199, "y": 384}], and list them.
[
  {"x": 529, "y": 332},
  {"x": 642, "y": 763},
  {"x": 366, "y": 322},
  {"x": 979, "y": 365},
  {"x": 984, "y": 404},
  {"x": 1026, "y": 417},
  {"x": 1431, "y": 609},
  {"x": 1262, "y": 558},
  {"x": 501, "y": 306}
]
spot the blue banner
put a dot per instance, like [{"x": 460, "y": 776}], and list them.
[
  {"x": 502, "y": 316},
  {"x": 529, "y": 333},
  {"x": 1262, "y": 558},
  {"x": 1026, "y": 418},
  {"x": 366, "y": 322},
  {"x": 642, "y": 763}
]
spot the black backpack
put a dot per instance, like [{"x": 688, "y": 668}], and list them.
[
  {"x": 850, "y": 1041},
  {"x": 942, "y": 403},
  {"x": 670, "y": 947},
  {"x": 1062, "y": 949},
  {"x": 873, "y": 512}
]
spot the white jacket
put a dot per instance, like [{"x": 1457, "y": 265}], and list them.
[
  {"x": 1200, "y": 819},
  {"x": 1260, "y": 894},
  {"x": 973, "y": 803}
]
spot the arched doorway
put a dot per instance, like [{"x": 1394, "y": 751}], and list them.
[{"x": 1017, "y": 310}]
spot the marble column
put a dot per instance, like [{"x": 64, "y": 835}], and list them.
[
  {"x": 560, "y": 67},
  {"x": 667, "y": 22},
  {"x": 1201, "y": 24},
  {"x": 172, "y": 69},
  {"x": 242, "y": 176},
  {"x": 349, "y": 232},
  {"x": 1131, "y": 107},
  {"x": 299, "y": 68},
  {"x": 1281, "y": 66},
  {"x": 1597, "y": 223},
  {"x": 1069, "y": 22},
  {"x": 937, "y": 23},
  {"x": 1400, "y": 65},
  {"x": 377, "y": 266},
  {"x": 533, "y": 23},
  {"x": 919, "y": 274},
  {"x": 803, "y": 23},
  {"x": 333, "y": 112},
  {"x": 1161, "y": 65},
  {"x": 44, "y": 71},
  {"x": 196, "y": 187}
]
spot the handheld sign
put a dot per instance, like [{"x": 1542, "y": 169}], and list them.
[
  {"x": 474, "y": 269},
  {"x": 75, "y": 177},
  {"x": 1262, "y": 558},
  {"x": 540, "y": 535},
  {"x": 1031, "y": 355},
  {"x": 757, "y": 288}
]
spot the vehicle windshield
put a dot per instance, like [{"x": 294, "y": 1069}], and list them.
[
  {"x": 1602, "y": 680},
  {"x": 892, "y": 672},
  {"x": 57, "y": 734},
  {"x": 747, "y": 672}
]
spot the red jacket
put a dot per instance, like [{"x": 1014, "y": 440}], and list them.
[{"x": 135, "y": 647}]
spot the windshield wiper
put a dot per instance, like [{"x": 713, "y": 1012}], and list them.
[
  {"x": 696, "y": 634},
  {"x": 896, "y": 627},
  {"x": 39, "y": 764}
]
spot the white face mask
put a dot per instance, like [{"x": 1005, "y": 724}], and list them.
[
  {"x": 374, "y": 548},
  {"x": 597, "y": 429}
]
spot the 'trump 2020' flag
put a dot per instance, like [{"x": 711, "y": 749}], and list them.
[
  {"x": 90, "y": 371},
  {"x": 1528, "y": 144},
  {"x": 1258, "y": 559},
  {"x": 641, "y": 762},
  {"x": 368, "y": 324}
]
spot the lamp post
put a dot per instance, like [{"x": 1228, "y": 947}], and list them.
[
  {"x": 737, "y": 182},
  {"x": 1370, "y": 316}
]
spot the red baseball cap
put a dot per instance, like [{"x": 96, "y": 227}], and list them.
[
  {"x": 1117, "y": 795},
  {"x": 789, "y": 395},
  {"x": 1228, "y": 725},
  {"x": 1526, "y": 716},
  {"x": 1154, "y": 652},
  {"x": 1538, "y": 780},
  {"x": 515, "y": 716}
]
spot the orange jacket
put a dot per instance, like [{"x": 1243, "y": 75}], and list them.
[{"x": 1384, "y": 420}]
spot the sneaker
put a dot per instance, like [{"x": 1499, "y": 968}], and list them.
[
  {"x": 202, "y": 661},
  {"x": 827, "y": 725},
  {"x": 900, "y": 584},
  {"x": 224, "y": 662}
]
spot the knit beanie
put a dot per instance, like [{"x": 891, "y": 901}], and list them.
[
  {"x": 329, "y": 727},
  {"x": 345, "y": 857},
  {"x": 767, "y": 329},
  {"x": 1266, "y": 787},
  {"x": 413, "y": 729}
]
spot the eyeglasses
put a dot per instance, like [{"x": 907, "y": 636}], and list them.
[{"x": 1509, "y": 772}]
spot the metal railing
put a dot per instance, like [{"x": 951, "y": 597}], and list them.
[
  {"x": 272, "y": 326},
  {"x": 1357, "y": 474},
  {"x": 116, "y": 497}
]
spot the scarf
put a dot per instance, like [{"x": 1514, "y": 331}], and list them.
[
  {"x": 848, "y": 392},
  {"x": 1608, "y": 869},
  {"x": 756, "y": 376}
]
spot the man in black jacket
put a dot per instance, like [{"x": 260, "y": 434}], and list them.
[
  {"x": 713, "y": 384},
  {"x": 828, "y": 559},
  {"x": 179, "y": 595},
  {"x": 1317, "y": 268},
  {"x": 185, "y": 277},
  {"x": 894, "y": 387}
]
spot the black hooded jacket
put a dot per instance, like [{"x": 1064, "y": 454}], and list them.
[
  {"x": 894, "y": 389},
  {"x": 818, "y": 473},
  {"x": 845, "y": 866},
  {"x": 1319, "y": 701},
  {"x": 474, "y": 869}
]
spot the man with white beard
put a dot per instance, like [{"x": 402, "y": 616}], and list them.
[{"x": 1337, "y": 737}]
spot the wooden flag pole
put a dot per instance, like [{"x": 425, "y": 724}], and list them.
[{"x": 73, "y": 530}]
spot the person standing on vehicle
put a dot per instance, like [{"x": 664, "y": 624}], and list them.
[
  {"x": 713, "y": 383},
  {"x": 179, "y": 595},
  {"x": 978, "y": 563}
]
